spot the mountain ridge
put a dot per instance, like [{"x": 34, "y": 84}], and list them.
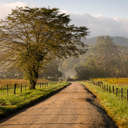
[{"x": 118, "y": 40}]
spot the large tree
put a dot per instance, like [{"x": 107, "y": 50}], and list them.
[{"x": 35, "y": 35}]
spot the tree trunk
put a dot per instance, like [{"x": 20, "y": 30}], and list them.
[
  {"x": 33, "y": 84},
  {"x": 33, "y": 79}
]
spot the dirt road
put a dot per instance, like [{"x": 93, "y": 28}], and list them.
[{"x": 74, "y": 107}]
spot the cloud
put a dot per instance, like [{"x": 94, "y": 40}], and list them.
[
  {"x": 63, "y": 11},
  {"x": 100, "y": 25},
  {"x": 5, "y": 8},
  {"x": 97, "y": 24}
]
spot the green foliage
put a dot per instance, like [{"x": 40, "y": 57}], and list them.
[
  {"x": 37, "y": 35},
  {"x": 3, "y": 102}
]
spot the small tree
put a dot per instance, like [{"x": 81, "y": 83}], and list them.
[{"x": 35, "y": 35}]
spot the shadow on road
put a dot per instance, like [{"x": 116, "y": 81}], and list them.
[
  {"x": 109, "y": 123},
  {"x": 32, "y": 103}
]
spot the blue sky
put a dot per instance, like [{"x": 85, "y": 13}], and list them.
[
  {"x": 108, "y": 8},
  {"x": 102, "y": 17}
]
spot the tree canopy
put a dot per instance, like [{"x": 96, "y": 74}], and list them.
[{"x": 32, "y": 36}]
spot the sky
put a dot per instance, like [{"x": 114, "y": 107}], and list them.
[{"x": 102, "y": 17}]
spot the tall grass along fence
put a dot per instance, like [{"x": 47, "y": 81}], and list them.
[
  {"x": 18, "y": 88},
  {"x": 121, "y": 92}
]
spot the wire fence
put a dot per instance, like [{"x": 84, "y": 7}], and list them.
[
  {"x": 118, "y": 91},
  {"x": 18, "y": 88}
]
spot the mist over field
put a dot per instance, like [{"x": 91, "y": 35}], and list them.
[
  {"x": 95, "y": 60},
  {"x": 76, "y": 49}
]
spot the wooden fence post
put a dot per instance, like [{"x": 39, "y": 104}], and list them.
[
  {"x": 116, "y": 91},
  {"x": 1, "y": 90},
  {"x": 14, "y": 88},
  {"x": 7, "y": 89},
  {"x": 21, "y": 88},
  {"x": 127, "y": 94}
]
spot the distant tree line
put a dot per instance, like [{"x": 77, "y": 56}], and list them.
[{"x": 105, "y": 59}]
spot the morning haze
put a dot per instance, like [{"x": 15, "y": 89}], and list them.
[{"x": 63, "y": 64}]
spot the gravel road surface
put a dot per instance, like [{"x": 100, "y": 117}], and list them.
[{"x": 73, "y": 107}]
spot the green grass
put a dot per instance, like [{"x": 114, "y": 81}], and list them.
[
  {"x": 10, "y": 104},
  {"x": 116, "y": 108},
  {"x": 10, "y": 91},
  {"x": 112, "y": 82}
]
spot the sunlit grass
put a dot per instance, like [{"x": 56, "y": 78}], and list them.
[
  {"x": 114, "y": 81},
  {"x": 14, "y": 102},
  {"x": 115, "y": 107},
  {"x": 11, "y": 82}
]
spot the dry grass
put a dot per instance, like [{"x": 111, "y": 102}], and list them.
[
  {"x": 114, "y": 81},
  {"x": 5, "y": 82}
]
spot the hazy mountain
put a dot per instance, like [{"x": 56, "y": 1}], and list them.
[
  {"x": 67, "y": 68},
  {"x": 122, "y": 41}
]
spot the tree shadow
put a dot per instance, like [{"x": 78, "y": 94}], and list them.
[
  {"x": 13, "y": 112},
  {"x": 109, "y": 123}
]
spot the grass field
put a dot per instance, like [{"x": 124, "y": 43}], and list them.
[
  {"x": 114, "y": 81},
  {"x": 7, "y": 86},
  {"x": 116, "y": 108},
  {"x": 117, "y": 86},
  {"x": 11, "y": 82},
  {"x": 9, "y": 104}
]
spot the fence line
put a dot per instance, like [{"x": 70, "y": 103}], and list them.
[
  {"x": 18, "y": 88},
  {"x": 122, "y": 92}
]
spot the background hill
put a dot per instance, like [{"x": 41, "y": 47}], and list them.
[
  {"x": 121, "y": 41},
  {"x": 106, "y": 57}
]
